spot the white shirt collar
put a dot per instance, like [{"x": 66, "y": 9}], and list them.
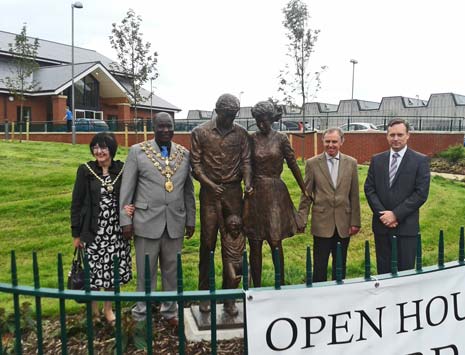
[
  {"x": 338, "y": 156},
  {"x": 400, "y": 152}
]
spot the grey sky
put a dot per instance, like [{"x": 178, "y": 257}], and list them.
[{"x": 209, "y": 47}]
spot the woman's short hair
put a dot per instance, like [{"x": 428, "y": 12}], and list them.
[
  {"x": 267, "y": 109},
  {"x": 104, "y": 139}
]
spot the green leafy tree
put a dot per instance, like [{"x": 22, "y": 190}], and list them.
[
  {"x": 295, "y": 79},
  {"x": 24, "y": 51},
  {"x": 135, "y": 58}
]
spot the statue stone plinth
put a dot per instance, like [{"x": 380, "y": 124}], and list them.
[{"x": 223, "y": 319}]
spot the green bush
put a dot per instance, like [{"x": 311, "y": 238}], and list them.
[{"x": 453, "y": 154}]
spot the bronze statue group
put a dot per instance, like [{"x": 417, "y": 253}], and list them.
[{"x": 150, "y": 199}]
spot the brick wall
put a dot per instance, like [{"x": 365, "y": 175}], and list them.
[
  {"x": 110, "y": 106},
  {"x": 85, "y": 138},
  {"x": 360, "y": 145},
  {"x": 38, "y": 105}
]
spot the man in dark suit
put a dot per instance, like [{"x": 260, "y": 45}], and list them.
[
  {"x": 396, "y": 187},
  {"x": 331, "y": 182}
]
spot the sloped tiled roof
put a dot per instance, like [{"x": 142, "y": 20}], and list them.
[
  {"x": 460, "y": 99},
  {"x": 368, "y": 105},
  {"x": 52, "y": 77},
  {"x": 199, "y": 115},
  {"x": 57, "y": 52}
]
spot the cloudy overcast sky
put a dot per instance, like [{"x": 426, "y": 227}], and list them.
[{"x": 208, "y": 47}]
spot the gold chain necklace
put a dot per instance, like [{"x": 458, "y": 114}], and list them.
[
  {"x": 158, "y": 161},
  {"x": 107, "y": 185}
]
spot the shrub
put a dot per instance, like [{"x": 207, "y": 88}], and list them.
[{"x": 453, "y": 154}]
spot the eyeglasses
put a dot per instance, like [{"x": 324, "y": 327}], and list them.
[{"x": 96, "y": 148}]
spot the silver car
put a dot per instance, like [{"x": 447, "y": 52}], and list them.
[{"x": 358, "y": 126}]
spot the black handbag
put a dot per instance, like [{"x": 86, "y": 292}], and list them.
[{"x": 76, "y": 274}]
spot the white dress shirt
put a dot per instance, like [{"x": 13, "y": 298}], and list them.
[{"x": 399, "y": 159}]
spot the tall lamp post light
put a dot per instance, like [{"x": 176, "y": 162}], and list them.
[
  {"x": 151, "y": 100},
  {"x": 77, "y": 5},
  {"x": 353, "y": 61}
]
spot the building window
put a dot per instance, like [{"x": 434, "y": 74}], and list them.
[
  {"x": 26, "y": 113},
  {"x": 86, "y": 93}
]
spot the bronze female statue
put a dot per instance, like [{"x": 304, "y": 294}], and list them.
[{"x": 269, "y": 212}]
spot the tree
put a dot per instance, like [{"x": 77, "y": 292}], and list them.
[
  {"x": 24, "y": 52},
  {"x": 135, "y": 59},
  {"x": 301, "y": 43}
]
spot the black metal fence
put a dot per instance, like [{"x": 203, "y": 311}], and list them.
[
  {"x": 180, "y": 296},
  {"x": 294, "y": 123}
]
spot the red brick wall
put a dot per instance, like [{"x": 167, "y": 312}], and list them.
[
  {"x": 39, "y": 108},
  {"x": 362, "y": 145},
  {"x": 359, "y": 145},
  {"x": 38, "y": 105},
  {"x": 85, "y": 138},
  {"x": 59, "y": 109}
]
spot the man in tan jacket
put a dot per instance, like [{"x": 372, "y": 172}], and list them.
[{"x": 331, "y": 180}]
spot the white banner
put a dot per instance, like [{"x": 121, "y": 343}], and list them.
[{"x": 418, "y": 315}]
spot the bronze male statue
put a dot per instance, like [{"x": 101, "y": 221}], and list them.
[{"x": 220, "y": 158}]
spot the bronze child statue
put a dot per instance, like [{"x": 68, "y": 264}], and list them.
[{"x": 233, "y": 246}]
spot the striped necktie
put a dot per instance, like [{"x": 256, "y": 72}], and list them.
[{"x": 393, "y": 168}]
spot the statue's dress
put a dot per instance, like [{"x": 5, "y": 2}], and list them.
[{"x": 269, "y": 213}]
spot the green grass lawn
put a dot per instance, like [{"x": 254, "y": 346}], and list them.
[{"x": 36, "y": 180}]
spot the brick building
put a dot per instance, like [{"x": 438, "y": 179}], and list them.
[{"x": 100, "y": 92}]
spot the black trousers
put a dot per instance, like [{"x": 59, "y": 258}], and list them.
[
  {"x": 322, "y": 247},
  {"x": 69, "y": 125},
  {"x": 406, "y": 252}
]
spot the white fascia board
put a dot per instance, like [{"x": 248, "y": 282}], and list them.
[{"x": 87, "y": 72}]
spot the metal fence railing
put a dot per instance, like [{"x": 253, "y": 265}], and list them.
[
  {"x": 290, "y": 123},
  {"x": 180, "y": 296}
]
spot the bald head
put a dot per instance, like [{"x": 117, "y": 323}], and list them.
[
  {"x": 163, "y": 126},
  {"x": 162, "y": 116}
]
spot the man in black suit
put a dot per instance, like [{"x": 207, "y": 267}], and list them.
[{"x": 396, "y": 187}]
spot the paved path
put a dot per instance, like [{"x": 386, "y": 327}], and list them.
[{"x": 450, "y": 176}]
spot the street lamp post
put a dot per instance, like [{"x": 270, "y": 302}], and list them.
[
  {"x": 353, "y": 61},
  {"x": 151, "y": 100},
  {"x": 77, "y": 5}
]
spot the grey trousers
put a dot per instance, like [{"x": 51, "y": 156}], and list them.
[{"x": 164, "y": 250}]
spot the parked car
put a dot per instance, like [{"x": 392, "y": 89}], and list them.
[
  {"x": 283, "y": 126},
  {"x": 90, "y": 125},
  {"x": 286, "y": 126},
  {"x": 358, "y": 126}
]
